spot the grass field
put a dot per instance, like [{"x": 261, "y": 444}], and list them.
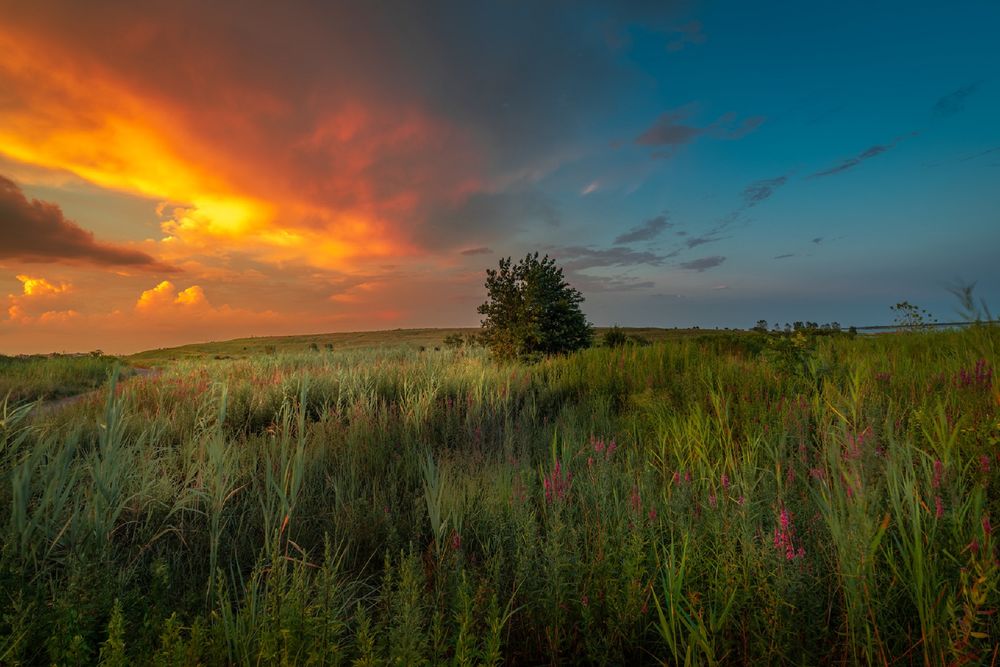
[
  {"x": 726, "y": 499},
  {"x": 47, "y": 378}
]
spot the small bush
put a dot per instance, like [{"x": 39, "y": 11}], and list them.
[{"x": 615, "y": 337}]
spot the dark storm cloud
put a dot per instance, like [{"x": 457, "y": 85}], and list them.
[
  {"x": 672, "y": 129},
  {"x": 36, "y": 231},
  {"x": 866, "y": 154},
  {"x": 646, "y": 231},
  {"x": 703, "y": 263},
  {"x": 954, "y": 102}
]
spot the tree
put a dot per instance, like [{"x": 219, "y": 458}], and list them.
[
  {"x": 910, "y": 317},
  {"x": 531, "y": 310}
]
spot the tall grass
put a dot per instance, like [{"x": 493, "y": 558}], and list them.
[
  {"x": 46, "y": 378},
  {"x": 688, "y": 502}
]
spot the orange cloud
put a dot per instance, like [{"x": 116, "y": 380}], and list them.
[
  {"x": 165, "y": 295},
  {"x": 36, "y": 301},
  {"x": 345, "y": 180},
  {"x": 41, "y": 286}
]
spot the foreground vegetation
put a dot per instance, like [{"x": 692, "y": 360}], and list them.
[
  {"x": 754, "y": 499},
  {"x": 38, "y": 377}
]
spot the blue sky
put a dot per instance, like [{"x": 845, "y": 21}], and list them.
[{"x": 831, "y": 84}]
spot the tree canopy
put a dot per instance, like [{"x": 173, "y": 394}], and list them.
[{"x": 532, "y": 310}]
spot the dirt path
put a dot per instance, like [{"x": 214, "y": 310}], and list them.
[{"x": 48, "y": 407}]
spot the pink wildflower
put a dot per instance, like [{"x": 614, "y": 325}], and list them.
[
  {"x": 712, "y": 500},
  {"x": 635, "y": 500},
  {"x": 938, "y": 507},
  {"x": 784, "y": 537},
  {"x": 585, "y": 601},
  {"x": 938, "y": 473},
  {"x": 557, "y": 484},
  {"x": 456, "y": 540},
  {"x": 725, "y": 482},
  {"x": 984, "y": 464}
]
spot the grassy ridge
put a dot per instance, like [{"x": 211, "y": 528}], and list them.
[
  {"x": 243, "y": 348},
  {"x": 729, "y": 499}
]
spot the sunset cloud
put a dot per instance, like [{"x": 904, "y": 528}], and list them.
[
  {"x": 37, "y": 231},
  {"x": 41, "y": 286},
  {"x": 39, "y": 301},
  {"x": 165, "y": 295}
]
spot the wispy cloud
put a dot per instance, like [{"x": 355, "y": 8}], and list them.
[
  {"x": 672, "y": 129},
  {"x": 482, "y": 250},
  {"x": 785, "y": 255},
  {"x": 954, "y": 102},
  {"x": 578, "y": 258},
  {"x": 646, "y": 231},
  {"x": 689, "y": 33},
  {"x": 867, "y": 154},
  {"x": 695, "y": 241},
  {"x": 590, "y": 283},
  {"x": 973, "y": 156},
  {"x": 759, "y": 191},
  {"x": 704, "y": 263}
]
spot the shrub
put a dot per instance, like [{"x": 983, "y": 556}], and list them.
[
  {"x": 454, "y": 340},
  {"x": 615, "y": 337}
]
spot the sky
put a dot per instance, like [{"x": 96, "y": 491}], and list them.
[{"x": 175, "y": 172}]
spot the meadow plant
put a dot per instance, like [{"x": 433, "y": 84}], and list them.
[{"x": 831, "y": 500}]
